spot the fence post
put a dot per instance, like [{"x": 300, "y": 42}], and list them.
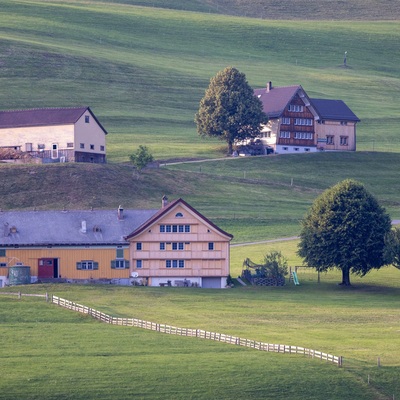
[{"x": 19, "y": 295}]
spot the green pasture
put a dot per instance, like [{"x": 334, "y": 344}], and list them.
[
  {"x": 144, "y": 70},
  {"x": 55, "y": 353},
  {"x": 253, "y": 198}
]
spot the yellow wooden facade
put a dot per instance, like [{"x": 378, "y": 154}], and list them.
[
  {"x": 67, "y": 258},
  {"x": 181, "y": 245}
]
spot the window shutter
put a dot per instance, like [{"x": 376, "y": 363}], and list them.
[
  {"x": 126, "y": 264},
  {"x": 112, "y": 264},
  {"x": 78, "y": 265},
  {"x": 95, "y": 265}
]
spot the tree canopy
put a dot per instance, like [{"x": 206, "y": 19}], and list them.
[
  {"x": 345, "y": 228},
  {"x": 392, "y": 247},
  {"x": 141, "y": 157},
  {"x": 229, "y": 109}
]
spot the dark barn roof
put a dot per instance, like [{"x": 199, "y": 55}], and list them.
[
  {"x": 43, "y": 117},
  {"x": 334, "y": 110}
]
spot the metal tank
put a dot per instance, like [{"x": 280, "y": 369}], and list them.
[{"x": 19, "y": 275}]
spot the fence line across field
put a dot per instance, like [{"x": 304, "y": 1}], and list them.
[
  {"x": 173, "y": 330},
  {"x": 19, "y": 294}
]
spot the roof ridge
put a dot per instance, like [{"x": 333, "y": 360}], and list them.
[{"x": 46, "y": 108}]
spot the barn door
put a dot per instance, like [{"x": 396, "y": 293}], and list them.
[{"x": 46, "y": 268}]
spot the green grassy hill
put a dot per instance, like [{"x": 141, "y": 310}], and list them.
[
  {"x": 144, "y": 70},
  {"x": 252, "y": 198},
  {"x": 51, "y": 352}
]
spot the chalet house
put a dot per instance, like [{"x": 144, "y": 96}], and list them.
[
  {"x": 298, "y": 123},
  {"x": 46, "y": 135},
  {"x": 173, "y": 246}
]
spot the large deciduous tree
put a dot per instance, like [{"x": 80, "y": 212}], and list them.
[
  {"x": 229, "y": 109},
  {"x": 345, "y": 228},
  {"x": 392, "y": 247}
]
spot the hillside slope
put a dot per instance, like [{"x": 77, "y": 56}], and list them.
[{"x": 361, "y": 10}]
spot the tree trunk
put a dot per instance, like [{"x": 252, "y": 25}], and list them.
[
  {"x": 230, "y": 148},
  {"x": 346, "y": 276}
]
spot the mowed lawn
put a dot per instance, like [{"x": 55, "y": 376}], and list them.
[
  {"x": 144, "y": 70},
  {"x": 55, "y": 353}
]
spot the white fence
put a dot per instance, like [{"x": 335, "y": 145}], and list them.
[{"x": 219, "y": 337}]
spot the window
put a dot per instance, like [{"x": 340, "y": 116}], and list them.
[
  {"x": 87, "y": 119},
  {"x": 343, "y": 122},
  {"x": 174, "y": 228},
  {"x": 119, "y": 264},
  {"x": 168, "y": 263},
  {"x": 162, "y": 246},
  {"x": 303, "y": 135},
  {"x": 70, "y": 144},
  {"x": 2, "y": 265},
  {"x": 295, "y": 108},
  {"x": 82, "y": 145},
  {"x": 139, "y": 264},
  {"x": 181, "y": 246},
  {"x": 211, "y": 246},
  {"x": 87, "y": 265},
  {"x": 296, "y": 149},
  {"x": 344, "y": 140},
  {"x": 40, "y": 146},
  {"x": 266, "y": 134},
  {"x": 285, "y": 148},
  {"x": 284, "y": 135},
  {"x": 329, "y": 139},
  {"x": 285, "y": 121},
  {"x": 179, "y": 215},
  {"x": 303, "y": 121},
  {"x": 92, "y": 147},
  {"x": 120, "y": 252},
  {"x": 174, "y": 246},
  {"x": 174, "y": 263},
  {"x": 306, "y": 149},
  {"x": 101, "y": 148},
  {"x": 2, "y": 252},
  {"x": 181, "y": 264},
  {"x": 138, "y": 246}
]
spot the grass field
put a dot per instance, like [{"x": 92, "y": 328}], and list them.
[
  {"x": 55, "y": 353},
  {"x": 143, "y": 71}
]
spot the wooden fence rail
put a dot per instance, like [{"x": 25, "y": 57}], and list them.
[
  {"x": 19, "y": 294},
  {"x": 220, "y": 337}
]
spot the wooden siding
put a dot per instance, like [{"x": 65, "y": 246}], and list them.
[
  {"x": 199, "y": 261},
  {"x": 67, "y": 259}
]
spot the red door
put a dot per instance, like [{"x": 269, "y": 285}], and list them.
[{"x": 46, "y": 268}]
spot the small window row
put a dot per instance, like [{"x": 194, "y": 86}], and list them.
[{"x": 175, "y": 228}]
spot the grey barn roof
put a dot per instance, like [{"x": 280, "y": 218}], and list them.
[
  {"x": 334, "y": 110},
  {"x": 38, "y": 228},
  {"x": 43, "y": 117}
]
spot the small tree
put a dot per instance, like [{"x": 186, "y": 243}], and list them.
[
  {"x": 392, "y": 248},
  {"x": 141, "y": 157},
  {"x": 345, "y": 228},
  {"x": 229, "y": 109}
]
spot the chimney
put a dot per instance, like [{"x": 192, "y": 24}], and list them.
[
  {"x": 120, "y": 213},
  {"x": 164, "y": 201},
  {"x": 83, "y": 227},
  {"x": 269, "y": 86}
]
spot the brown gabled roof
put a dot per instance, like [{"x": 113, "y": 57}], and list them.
[
  {"x": 163, "y": 211},
  {"x": 43, "y": 117},
  {"x": 276, "y": 99}
]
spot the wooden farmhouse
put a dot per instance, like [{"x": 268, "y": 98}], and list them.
[
  {"x": 46, "y": 135},
  {"x": 173, "y": 246},
  {"x": 299, "y": 124}
]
